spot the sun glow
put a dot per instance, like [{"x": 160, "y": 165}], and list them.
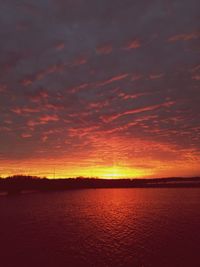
[
  {"x": 116, "y": 172},
  {"x": 54, "y": 169},
  {"x": 62, "y": 168}
]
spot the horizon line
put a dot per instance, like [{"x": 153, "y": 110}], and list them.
[{"x": 101, "y": 178}]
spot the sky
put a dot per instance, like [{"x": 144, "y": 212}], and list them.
[{"x": 100, "y": 88}]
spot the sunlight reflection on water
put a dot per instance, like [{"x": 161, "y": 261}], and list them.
[{"x": 101, "y": 227}]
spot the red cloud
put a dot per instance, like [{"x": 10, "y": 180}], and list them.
[
  {"x": 196, "y": 68},
  {"x": 79, "y": 61},
  {"x": 184, "y": 37},
  {"x": 49, "y": 70},
  {"x": 133, "y": 44},
  {"x": 113, "y": 79},
  {"x": 77, "y": 88},
  {"x": 39, "y": 96},
  {"x": 44, "y": 119},
  {"x": 54, "y": 106},
  {"x": 29, "y": 79},
  {"x": 109, "y": 118},
  {"x": 104, "y": 49},
  {"x": 5, "y": 129},
  {"x": 3, "y": 88},
  {"x": 136, "y": 77},
  {"x": 82, "y": 131},
  {"x": 196, "y": 77},
  {"x": 156, "y": 76},
  {"x": 131, "y": 96},
  {"x": 98, "y": 105},
  {"x": 60, "y": 46},
  {"x": 47, "y": 118},
  {"x": 19, "y": 110},
  {"x": 26, "y": 135}
]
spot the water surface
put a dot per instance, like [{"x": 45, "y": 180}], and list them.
[{"x": 101, "y": 227}]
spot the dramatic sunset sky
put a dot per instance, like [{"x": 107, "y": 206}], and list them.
[{"x": 100, "y": 88}]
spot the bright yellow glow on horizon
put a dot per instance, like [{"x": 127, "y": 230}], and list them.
[
  {"x": 115, "y": 172},
  {"x": 58, "y": 170},
  {"x": 61, "y": 168}
]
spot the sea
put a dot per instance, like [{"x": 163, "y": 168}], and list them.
[{"x": 101, "y": 227}]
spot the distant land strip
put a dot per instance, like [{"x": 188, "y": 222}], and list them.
[{"x": 20, "y": 183}]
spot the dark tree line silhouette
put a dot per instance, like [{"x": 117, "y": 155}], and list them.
[{"x": 19, "y": 183}]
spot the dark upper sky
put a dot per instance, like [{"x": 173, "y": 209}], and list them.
[{"x": 107, "y": 88}]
